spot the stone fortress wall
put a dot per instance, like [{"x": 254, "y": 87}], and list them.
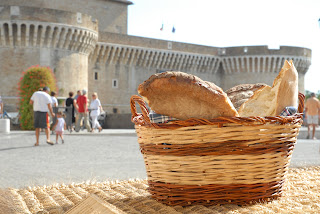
[
  {"x": 130, "y": 60},
  {"x": 87, "y": 46}
]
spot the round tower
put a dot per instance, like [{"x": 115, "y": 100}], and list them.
[
  {"x": 59, "y": 39},
  {"x": 253, "y": 64},
  {"x": 111, "y": 14}
]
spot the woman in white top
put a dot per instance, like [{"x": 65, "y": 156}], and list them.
[{"x": 96, "y": 109}]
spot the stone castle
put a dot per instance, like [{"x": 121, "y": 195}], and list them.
[{"x": 87, "y": 46}]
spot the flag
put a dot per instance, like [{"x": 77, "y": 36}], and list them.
[
  {"x": 161, "y": 27},
  {"x": 173, "y": 30}
]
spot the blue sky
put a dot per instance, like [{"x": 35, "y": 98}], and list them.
[{"x": 233, "y": 23}]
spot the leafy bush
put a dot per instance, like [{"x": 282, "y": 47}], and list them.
[{"x": 33, "y": 78}]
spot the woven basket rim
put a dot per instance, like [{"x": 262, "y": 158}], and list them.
[{"x": 142, "y": 119}]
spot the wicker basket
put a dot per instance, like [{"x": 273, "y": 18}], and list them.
[{"x": 239, "y": 160}]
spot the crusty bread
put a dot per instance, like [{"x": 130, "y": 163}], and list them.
[
  {"x": 185, "y": 96},
  {"x": 241, "y": 93},
  {"x": 270, "y": 101}
]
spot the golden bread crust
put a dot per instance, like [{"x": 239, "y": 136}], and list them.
[
  {"x": 241, "y": 93},
  {"x": 259, "y": 104},
  {"x": 288, "y": 88},
  {"x": 270, "y": 101},
  {"x": 185, "y": 96}
]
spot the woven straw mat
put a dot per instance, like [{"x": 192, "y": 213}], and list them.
[{"x": 301, "y": 195}]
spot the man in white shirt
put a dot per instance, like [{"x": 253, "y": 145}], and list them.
[{"x": 41, "y": 102}]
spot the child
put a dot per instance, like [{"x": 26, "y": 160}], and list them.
[{"x": 60, "y": 126}]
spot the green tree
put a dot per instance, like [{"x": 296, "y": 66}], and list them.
[{"x": 33, "y": 78}]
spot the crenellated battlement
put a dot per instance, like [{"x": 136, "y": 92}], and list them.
[
  {"x": 264, "y": 50},
  {"x": 39, "y": 14},
  {"x": 107, "y": 53},
  {"x": 17, "y": 31},
  {"x": 263, "y": 63},
  {"x": 46, "y": 35},
  {"x": 253, "y": 61},
  {"x": 111, "y": 16},
  {"x": 261, "y": 59}
]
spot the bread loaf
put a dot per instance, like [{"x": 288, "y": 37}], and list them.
[
  {"x": 185, "y": 96},
  {"x": 241, "y": 93},
  {"x": 270, "y": 101}
]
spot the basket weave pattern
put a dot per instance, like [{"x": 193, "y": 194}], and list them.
[{"x": 224, "y": 160}]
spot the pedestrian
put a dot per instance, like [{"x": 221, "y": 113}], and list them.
[
  {"x": 42, "y": 130},
  {"x": 82, "y": 108},
  {"x": 76, "y": 106},
  {"x": 78, "y": 94},
  {"x": 41, "y": 102},
  {"x": 3, "y": 113},
  {"x": 59, "y": 126},
  {"x": 54, "y": 107},
  {"x": 96, "y": 109},
  {"x": 54, "y": 99},
  {"x": 70, "y": 114},
  {"x": 1, "y": 107},
  {"x": 312, "y": 108}
]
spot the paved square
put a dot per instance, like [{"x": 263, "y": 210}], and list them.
[
  {"x": 82, "y": 157},
  {"x": 112, "y": 154}
]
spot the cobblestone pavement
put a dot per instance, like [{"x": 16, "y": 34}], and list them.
[
  {"x": 84, "y": 156},
  {"x": 112, "y": 154}
]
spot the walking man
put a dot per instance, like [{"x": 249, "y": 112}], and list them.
[
  {"x": 82, "y": 108},
  {"x": 41, "y": 102},
  {"x": 312, "y": 114}
]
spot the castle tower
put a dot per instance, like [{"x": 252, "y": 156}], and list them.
[
  {"x": 59, "y": 39},
  {"x": 255, "y": 64},
  {"x": 111, "y": 14}
]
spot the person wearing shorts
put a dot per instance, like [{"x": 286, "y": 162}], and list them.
[
  {"x": 41, "y": 102},
  {"x": 82, "y": 109},
  {"x": 312, "y": 108},
  {"x": 48, "y": 122}
]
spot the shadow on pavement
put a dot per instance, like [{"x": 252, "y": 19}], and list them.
[{"x": 20, "y": 147}]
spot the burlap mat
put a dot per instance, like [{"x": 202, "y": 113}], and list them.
[{"x": 301, "y": 195}]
